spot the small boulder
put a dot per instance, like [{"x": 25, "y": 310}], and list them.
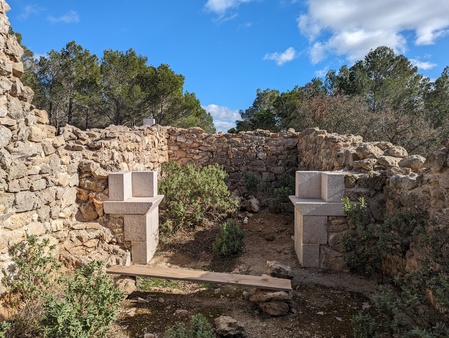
[
  {"x": 276, "y": 269},
  {"x": 275, "y": 308},
  {"x": 414, "y": 162},
  {"x": 228, "y": 327},
  {"x": 260, "y": 296},
  {"x": 126, "y": 285},
  {"x": 252, "y": 205}
]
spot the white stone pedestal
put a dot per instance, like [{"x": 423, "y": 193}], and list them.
[
  {"x": 317, "y": 195},
  {"x": 134, "y": 195}
]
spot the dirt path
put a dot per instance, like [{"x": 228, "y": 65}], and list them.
[{"x": 324, "y": 301}]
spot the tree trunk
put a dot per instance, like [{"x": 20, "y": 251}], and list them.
[{"x": 70, "y": 112}]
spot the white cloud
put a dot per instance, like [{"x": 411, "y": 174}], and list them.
[
  {"x": 245, "y": 25},
  {"x": 281, "y": 58},
  {"x": 224, "y": 117},
  {"x": 29, "y": 10},
  {"x": 322, "y": 72},
  {"x": 223, "y": 126},
  {"x": 69, "y": 17},
  {"x": 221, "y": 6},
  {"x": 354, "y": 27},
  {"x": 424, "y": 65},
  {"x": 317, "y": 52}
]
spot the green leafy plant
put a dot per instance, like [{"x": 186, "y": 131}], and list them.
[
  {"x": 412, "y": 304},
  {"x": 193, "y": 196},
  {"x": 34, "y": 270},
  {"x": 199, "y": 328},
  {"x": 255, "y": 185},
  {"x": 277, "y": 198},
  {"x": 146, "y": 283},
  {"x": 49, "y": 305},
  {"x": 229, "y": 240},
  {"x": 29, "y": 280},
  {"x": 361, "y": 249},
  {"x": 364, "y": 326},
  {"x": 4, "y": 328},
  {"x": 86, "y": 308}
]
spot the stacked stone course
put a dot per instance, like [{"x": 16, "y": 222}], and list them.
[
  {"x": 54, "y": 185},
  {"x": 266, "y": 154},
  {"x": 38, "y": 177}
]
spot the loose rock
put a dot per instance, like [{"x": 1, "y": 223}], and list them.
[{"x": 228, "y": 327}]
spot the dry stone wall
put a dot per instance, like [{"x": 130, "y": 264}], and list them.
[
  {"x": 97, "y": 153},
  {"x": 38, "y": 178},
  {"x": 387, "y": 178},
  {"x": 54, "y": 185},
  {"x": 266, "y": 154}
]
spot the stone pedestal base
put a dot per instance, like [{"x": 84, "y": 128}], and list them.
[
  {"x": 133, "y": 195},
  {"x": 317, "y": 196}
]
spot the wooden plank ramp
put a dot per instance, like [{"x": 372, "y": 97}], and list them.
[{"x": 198, "y": 276}]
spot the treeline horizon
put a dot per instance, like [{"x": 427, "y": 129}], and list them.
[
  {"x": 381, "y": 98},
  {"x": 76, "y": 87}
]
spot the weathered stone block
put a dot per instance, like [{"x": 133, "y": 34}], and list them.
[
  {"x": 25, "y": 201},
  {"x": 144, "y": 183},
  {"x": 120, "y": 186},
  {"x": 308, "y": 184},
  {"x": 5, "y": 136},
  {"x": 317, "y": 207},
  {"x": 135, "y": 229},
  {"x": 332, "y": 186},
  {"x": 332, "y": 259},
  {"x": 310, "y": 255},
  {"x": 38, "y": 185},
  {"x": 314, "y": 230},
  {"x": 132, "y": 206}
]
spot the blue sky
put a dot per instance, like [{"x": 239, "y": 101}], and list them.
[{"x": 227, "y": 49}]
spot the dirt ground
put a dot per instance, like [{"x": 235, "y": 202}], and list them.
[{"x": 324, "y": 301}]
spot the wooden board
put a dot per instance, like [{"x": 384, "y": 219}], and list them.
[{"x": 198, "y": 276}]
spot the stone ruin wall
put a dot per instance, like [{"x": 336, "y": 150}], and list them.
[
  {"x": 268, "y": 155},
  {"x": 386, "y": 177},
  {"x": 53, "y": 185},
  {"x": 37, "y": 177}
]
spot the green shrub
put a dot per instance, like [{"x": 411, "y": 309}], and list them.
[
  {"x": 34, "y": 270},
  {"x": 277, "y": 197},
  {"x": 364, "y": 326},
  {"x": 280, "y": 202},
  {"x": 87, "y": 306},
  {"x": 199, "y": 328},
  {"x": 29, "y": 280},
  {"x": 256, "y": 186},
  {"x": 4, "y": 328},
  {"x": 193, "y": 196},
  {"x": 413, "y": 304},
  {"x": 362, "y": 253},
  {"x": 48, "y": 305},
  {"x": 229, "y": 240}
]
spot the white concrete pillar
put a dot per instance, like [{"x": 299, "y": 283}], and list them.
[
  {"x": 317, "y": 196},
  {"x": 134, "y": 195}
]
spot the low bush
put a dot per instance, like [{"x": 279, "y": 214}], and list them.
[
  {"x": 86, "y": 307},
  {"x": 199, "y": 328},
  {"x": 29, "y": 280},
  {"x": 412, "y": 304},
  {"x": 362, "y": 253},
  {"x": 193, "y": 196},
  {"x": 50, "y": 305},
  {"x": 277, "y": 197},
  {"x": 229, "y": 240}
]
